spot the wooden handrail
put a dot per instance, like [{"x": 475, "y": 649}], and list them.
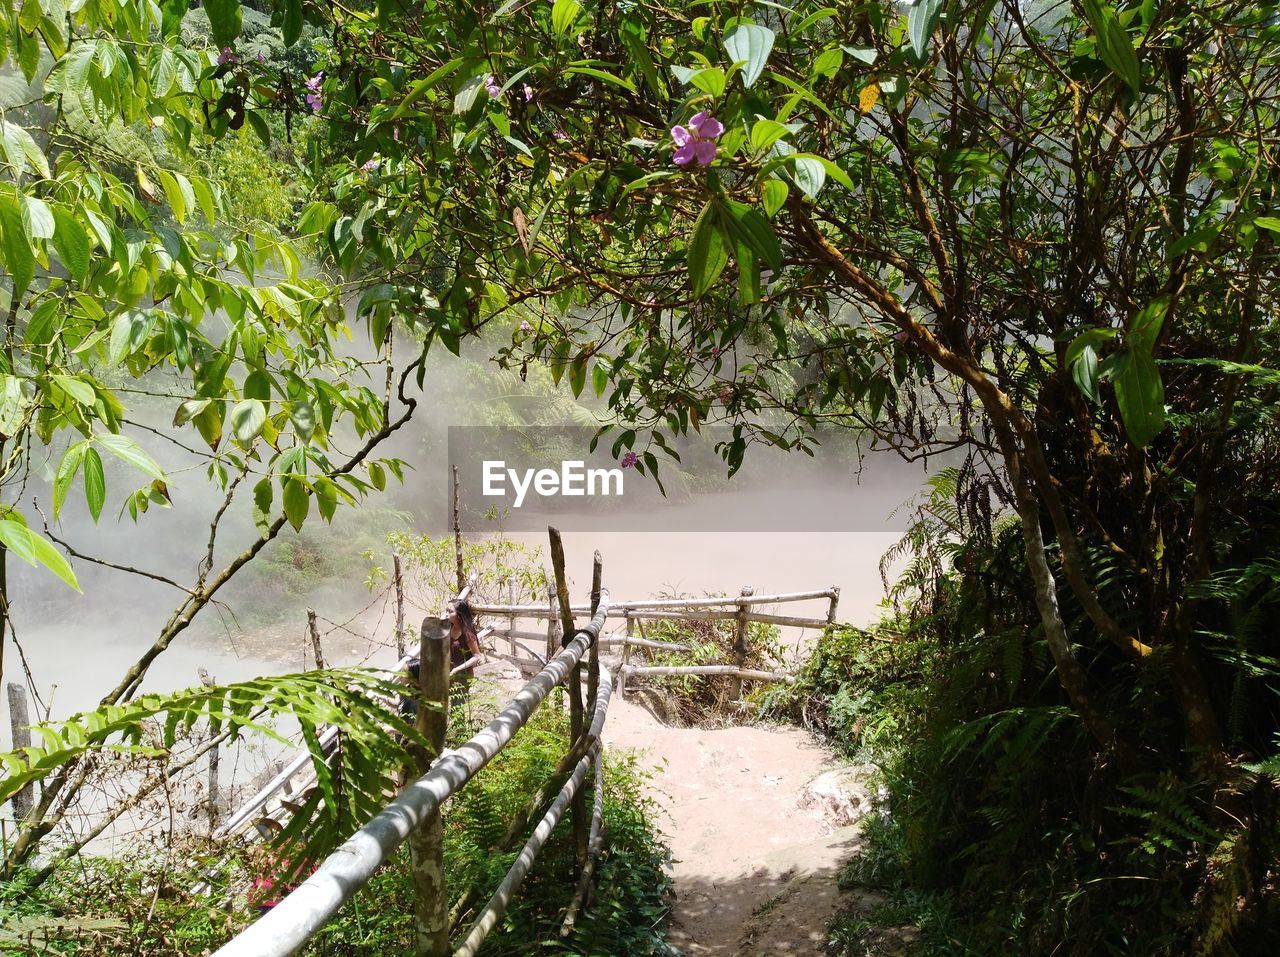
[{"x": 304, "y": 911}]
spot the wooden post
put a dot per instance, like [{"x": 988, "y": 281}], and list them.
[
  {"x": 740, "y": 643},
  {"x": 400, "y": 646},
  {"x": 626, "y": 655},
  {"x": 457, "y": 534},
  {"x": 831, "y": 609},
  {"x": 578, "y": 815},
  {"x": 315, "y": 638},
  {"x": 593, "y": 656},
  {"x": 426, "y": 844},
  {"x": 20, "y": 722},
  {"x": 552, "y": 618},
  {"x": 511, "y": 620},
  {"x": 214, "y": 797}
]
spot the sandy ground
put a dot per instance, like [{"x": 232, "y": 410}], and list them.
[{"x": 755, "y": 872}]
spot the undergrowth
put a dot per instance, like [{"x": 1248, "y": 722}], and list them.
[
  {"x": 141, "y": 904},
  {"x": 699, "y": 700}
]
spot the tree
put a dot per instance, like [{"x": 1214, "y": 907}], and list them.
[
  {"x": 1005, "y": 228},
  {"x": 125, "y": 277}
]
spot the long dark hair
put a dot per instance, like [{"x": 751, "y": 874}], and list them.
[{"x": 466, "y": 622}]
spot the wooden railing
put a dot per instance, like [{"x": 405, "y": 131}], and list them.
[
  {"x": 739, "y": 609},
  {"x": 415, "y": 814}
]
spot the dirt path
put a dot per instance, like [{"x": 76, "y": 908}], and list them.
[{"x": 755, "y": 871}]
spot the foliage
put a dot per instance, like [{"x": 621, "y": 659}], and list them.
[
  {"x": 625, "y": 919},
  {"x": 1003, "y": 830},
  {"x": 700, "y": 700},
  {"x": 374, "y": 737}
]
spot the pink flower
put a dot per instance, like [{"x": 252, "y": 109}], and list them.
[
  {"x": 528, "y": 93},
  {"x": 491, "y": 85},
  {"x": 524, "y": 326},
  {"x": 726, "y": 396},
  {"x": 227, "y": 55},
  {"x": 312, "y": 99},
  {"x": 697, "y": 141},
  {"x": 560, "y": 136},
  {"x": 629, "y": 460},
  {"x": 369, "y": 165}
]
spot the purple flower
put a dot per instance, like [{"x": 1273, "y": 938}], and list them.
[
  {"x": 900, "y": 336},
  {"x": 560, "y": 136},
  {"x": 262, "y": 58},
  {"x": 313, "y": 102},
  {"x": 227, "y": 55},
  {"x": 528, "y": 93},
  {"x": 726, "y": 396},
  {"x": 369, "y": 165},
  {"x": 313, "y": 84},
  {"x": 697, "y": 141},
  {"x": 525, "y": 326},
  {"x": 492, "y": 86},
  {"x": 629, "y": 460}
]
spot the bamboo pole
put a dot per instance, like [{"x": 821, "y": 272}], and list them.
[
  {"x": 497, "y": 905},
  {"x": 315, "y": 638},
  {"x": 552, "y": 617},
  {"x": 731, "y": 670},
  {"x": 593, "y": 850},
  {"x": 740, "y": 644},
  {"x": 20, "y": 723},
  {"x": 578, "y": 814},
  {"x": 299, "y": 916},
  {"x": 831, "y": 609},
  {"x": 511, "y": 620},
  {"x": 649, "y": 604},
  {"x": 580, "y": 821},
  {"x": 457, "y": 534},
  {"x": 399, "y": 579},
  {"x": 426, "y": 843},
  {"x": 632, "y": 642},
  {"x": 214, "y": 798},
  {"x": 628, "y": 640}
]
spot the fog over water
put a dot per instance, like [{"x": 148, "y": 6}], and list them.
[{"x": 785, "y": 523}]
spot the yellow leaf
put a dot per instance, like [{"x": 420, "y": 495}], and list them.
[
  {"x": 147, "y": 188},
  {"x": 869, "y": 97}
]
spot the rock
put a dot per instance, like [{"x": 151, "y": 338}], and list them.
[{"x": 841, "y": 796}]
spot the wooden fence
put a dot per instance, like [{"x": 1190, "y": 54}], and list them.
[
  {"x": 740, "y": 609},
  {"x": 414, "y": 816}
]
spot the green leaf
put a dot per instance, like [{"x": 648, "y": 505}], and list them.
[
  {"x": 1144, "y": 329},
  {"x": 72, "y": 243},
  {"x": 225, "y": 18},
  {"x": 708, "y": 252},
  {"x": 303, "y": 416},
  {"x": 291, "y": 21},
  {"x": 129, "y": 451},
  {"x": 37, "y": 218},
  {"x": 764, "y": 133},
  {"x": 1113, "y": 43},
  {"x": 749, "y": 44},
  {"x": 326, "y": 497},
  {"x": 564, "y": 13},
  {"x": 68, "y": 468},
  {"x": 1268, "y": 222},
  {"x": 247, "y": 420},
  {"x": 922, "y": 20},
  {"x": 189, "y": 410},
  {"x": 1091, "y": 338},
  {"x": 750, "y": 226},
  {"x": 95, "y": 482},
  {"x": 1084, "y": 372},
  {"x": 75, "y": 389},
  {"x": 36, "y": 550},
  {"x": 297, "y": 502},
  {"x": 774, "y": 195},
  {"x": 19, "y": 259},
  {"x": 599, "y": 379},
  {"x": 602, "y": 75},
  {"x": 1140, "y": 395}
]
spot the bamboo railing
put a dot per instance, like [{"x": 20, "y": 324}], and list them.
[
  {"x": 303, "y": 912},
  {"x": 740, "y": 608}
]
